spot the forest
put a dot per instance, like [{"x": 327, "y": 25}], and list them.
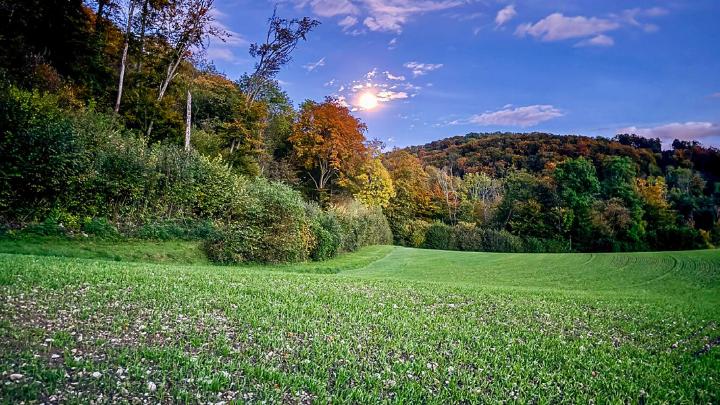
[{"x": 113, "y": 124}]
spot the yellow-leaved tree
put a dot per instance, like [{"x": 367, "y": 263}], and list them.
[{"x": 373, "y": 185}]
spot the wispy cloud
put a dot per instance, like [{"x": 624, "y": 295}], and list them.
[
  {"x": 599, "y": 40},
  {"x": 510, "y": 116},
  {"x": 391, "y": 76},
  {"x": 312, "y": 66},
  {"x": 376, "y": 15},
  {"x": 594, "y": 30},
  {"x": 392, "y": 44},
  {"x": 685, "y": 131},
  {"x": 419, "y": 69},
  {"x": 329, "y": 8},
  {"x": 348, "y": 22},
  {"x": 223, "y": 49},
  {"x": 557, "y": 27},
  {"x": 386, "y": 87},
  {"x": 505, "y": 15}
]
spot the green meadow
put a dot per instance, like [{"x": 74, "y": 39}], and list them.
[{"x": 153, "y": 322}]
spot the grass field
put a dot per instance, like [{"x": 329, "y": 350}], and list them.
[{"x": 384, "y": 324}]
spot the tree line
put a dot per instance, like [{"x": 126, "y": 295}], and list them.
[{"x": 568, "y": 193}]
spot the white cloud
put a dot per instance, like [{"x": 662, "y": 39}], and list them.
[
  {"x": 419, "y": 69},
  {"x": 599, "y": 40},
  {"x": 348, "y": 22},
  {"x": 527, "y": 116},
  {"x": 392, "y": 44},
  {"x": 686, "y": 131},
  {"x": 388, "y": 95},
  {"x": 330, "y": 8},
  {"x": 386, "y": 87},
  {"x": 391, "y": 15},
  {"x": 223, "y": 49},
  {"x": 391, "y": 76},
  {"x": 505, "y": 15},
  {"x": 312, "y": 66},
  {"x": 378, "y": 15},
  {"x": 557, "y": 27}
]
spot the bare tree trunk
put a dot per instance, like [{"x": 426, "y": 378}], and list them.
[
  {"x": 188, "y": 120},
  {"x": 143, "y": 24},
  {"x": 123, "y": 61}
]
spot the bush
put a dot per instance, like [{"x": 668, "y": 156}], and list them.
[
  {"x": 501, "y": 241},
  {"x": 536, "y": 245},
  {"x": 361, "y": 226},
  {"x": 409, "y": 232},
  {"x": 468, "y": 237},
  {"x": 272, "y": 227},
  {"x": 42, "y": 156},
  {"x": 326, "y": 232},
  {"x": 100, "y": 227},
  {"x": 439, "y": 236}
]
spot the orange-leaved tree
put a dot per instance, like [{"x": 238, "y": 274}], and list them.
[{"x": 329, "y": 143}]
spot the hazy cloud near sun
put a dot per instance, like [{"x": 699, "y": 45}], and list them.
[
  {"x": 511, "y": 116},
  {"x": 385, "y": 85}
]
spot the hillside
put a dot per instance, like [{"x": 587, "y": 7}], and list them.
[
  {"x": 496, "y": 153},
  {"x": 540, "y": 192}
]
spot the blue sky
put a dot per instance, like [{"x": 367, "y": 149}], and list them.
[{"x": 448, "y": 67}]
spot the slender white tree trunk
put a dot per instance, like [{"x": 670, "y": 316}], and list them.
[
  {"x": 123, "y": 61},
  {"x": 188, "y": 120}
]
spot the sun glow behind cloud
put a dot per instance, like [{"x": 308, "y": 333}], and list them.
[{"x": 367, "y": 101}]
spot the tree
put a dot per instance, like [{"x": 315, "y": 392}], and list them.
[
  {"x": 123, "y": 59},
  {"x": 281, "y": 39},
  {"x": 184, "y": 25},
  {"x": 372, "y": 184},
  {"x": 578, "y": 186},
  {"x": 446, "y": 186},
  {"x": 483, "y": 194},
  {"x": 328, "y": 142},
  {"x": 411, "y": 183}
]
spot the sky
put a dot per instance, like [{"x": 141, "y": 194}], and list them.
[{"x": 441, "y": 68}]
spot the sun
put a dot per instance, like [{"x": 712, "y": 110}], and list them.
[{"x": 368, "y": 101}]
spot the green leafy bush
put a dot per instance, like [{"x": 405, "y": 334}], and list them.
[
  {"x": 326, "y": 231},
  {"x": 100, "y": 227},
  {"x": 361, "y": 226},
  {"x": 43, "y": 158},
  {"x": 272, "y": 227},
  {"x": 439, "y": 236}
]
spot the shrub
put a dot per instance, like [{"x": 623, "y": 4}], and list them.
[
  {"x": 536, "y": 245},
  {"x": 272, "y": 227},
  {"x": 42, "y": 156},
  {"x": 501, "y": 241},
  {"x": 361, "y": 226},
  {"x": 438, "y": 236},
  {"x": 326, "y": 232},
  {"x": 100, "y": 227},
  {"x": 468, "y": 237}
]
